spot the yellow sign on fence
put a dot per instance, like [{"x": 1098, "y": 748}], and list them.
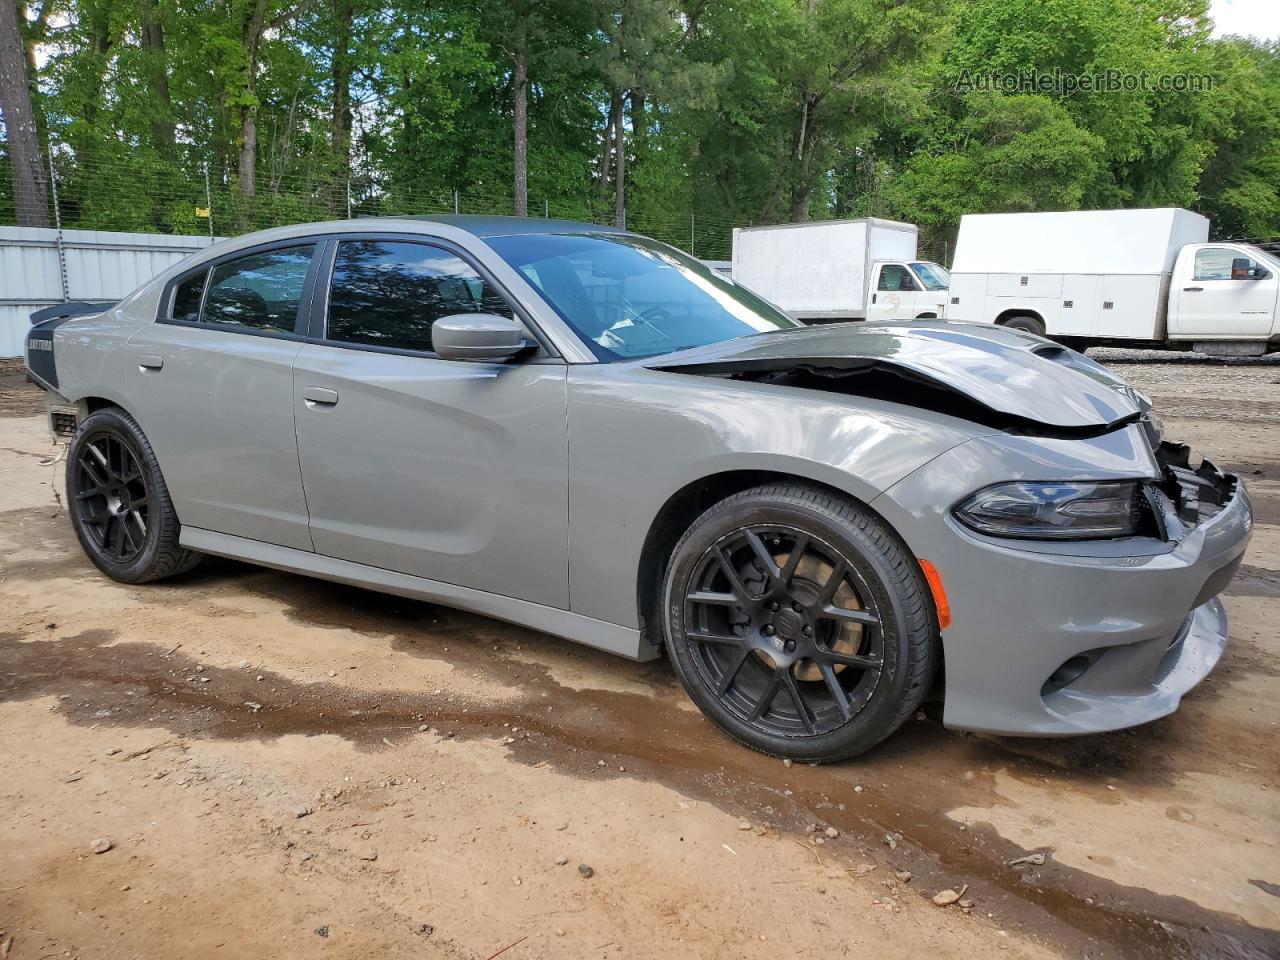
[{"x": 202, "y": 212}]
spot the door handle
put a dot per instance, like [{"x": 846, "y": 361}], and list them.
[
  {"x": 873, "y": 298},
  {"x": 319, "y": 396},
  {"x": 1193, "y": 289},
  {"x": 150, "y": 361}
]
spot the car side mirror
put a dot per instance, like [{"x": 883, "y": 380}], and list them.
[
  {"x": 477, "y": 336},
  {"x": 1240, "y": 269}
]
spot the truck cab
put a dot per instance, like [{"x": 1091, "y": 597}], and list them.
[
  {"x": 1224, "y": 292},
  {"x": 831, "y": 271},
  {"x": 908, "y": 290},
  {"x": 1142, "y": 277}
]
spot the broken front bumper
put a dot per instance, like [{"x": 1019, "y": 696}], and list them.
[{"x": 1053, "y": 639}]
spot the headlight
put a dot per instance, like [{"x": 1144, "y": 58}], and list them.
[{"x": 1055, "y": 511}]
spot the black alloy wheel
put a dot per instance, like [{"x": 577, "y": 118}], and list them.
[
  {"x": 784, "y": 630},
  {"x": 799, "y": 622},
  {"x": 111, "y": 496},
  {"x": 119, "y": 503}
]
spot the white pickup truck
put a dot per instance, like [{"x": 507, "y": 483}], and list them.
[
  {"x": 833, "y": 270},
  {"x": 1120, "y": 277}
]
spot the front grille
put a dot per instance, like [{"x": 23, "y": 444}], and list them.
[{"x": 1186, "y": 496}]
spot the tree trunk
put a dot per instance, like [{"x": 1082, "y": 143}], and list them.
[
  {"x": 37, "y": 33},
  {"x": 163, "y": 129},
  {"x": 248, "y": 167},
  {"x": 520, "y": 110},
  {"x": 344, "y": 12},
  {"x": 341, "y": 119},
  {"x": 606, "y": 149},
  {"x": 801, "y": 181},
  {"x": 619, "y": 163},
  {"x": 639, "y": 120},
  {"x": 800, "y": 203},
  {"x": 30, "y": 186},
  {"x": 254, "y": 26}
]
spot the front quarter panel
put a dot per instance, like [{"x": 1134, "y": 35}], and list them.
[{"x": 638, "y": 436}]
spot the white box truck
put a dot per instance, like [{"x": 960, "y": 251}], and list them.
[
  {"x": 836, "y": 270},
  {"x": 1120, "y": 277}
]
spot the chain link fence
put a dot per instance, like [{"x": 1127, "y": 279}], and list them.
[{"x": 147, "y": 194}]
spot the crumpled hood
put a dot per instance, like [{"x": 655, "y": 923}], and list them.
[{"x": 1021, "y": 376}]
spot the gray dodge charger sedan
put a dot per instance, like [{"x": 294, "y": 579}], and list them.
[{"x": 585, "y": 431}]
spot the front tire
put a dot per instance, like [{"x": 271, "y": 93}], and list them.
[
  {"x": 119, "y": 504},
  {"x": 799, "y": 623}
]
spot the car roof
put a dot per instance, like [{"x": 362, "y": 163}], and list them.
[{"x": 493, "y": 226}]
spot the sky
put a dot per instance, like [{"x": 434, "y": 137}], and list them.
[{"x": 1258, "y": 18}]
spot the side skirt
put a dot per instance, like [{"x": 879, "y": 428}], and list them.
[{"x": 611, "y": 637}]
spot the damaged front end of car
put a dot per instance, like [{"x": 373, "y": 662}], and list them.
[{"x": 1066, "y": 529}]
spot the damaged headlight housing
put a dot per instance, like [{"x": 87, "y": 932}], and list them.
[{"x": 1055, "y": 511}]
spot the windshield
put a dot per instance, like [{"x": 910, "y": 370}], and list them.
[
  {"x": 934, "y": 276},
  {"x": 630, "y": 297},
  {"x": 1263, "y": 256}
]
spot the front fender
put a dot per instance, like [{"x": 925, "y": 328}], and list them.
[{"x": 638, "y": 436}]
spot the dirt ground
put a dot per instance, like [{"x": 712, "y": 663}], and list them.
[{"x": 288, "y": 768}]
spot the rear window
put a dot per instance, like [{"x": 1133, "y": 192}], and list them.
[
  {"x": 187, "y": 297},
  {"x": 262, "y": 291}
]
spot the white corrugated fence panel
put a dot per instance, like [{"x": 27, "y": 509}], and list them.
[
  {"x": 15, "y": 319},
  {"x": 101, "y": 265}
]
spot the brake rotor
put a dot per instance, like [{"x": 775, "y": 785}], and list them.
[{"x": 806, "y": 584}]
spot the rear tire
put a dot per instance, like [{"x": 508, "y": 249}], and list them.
[
  {"x": 119, "y": 504},
  {"x": 799, "y": 623},
  {"x": 1026, "y": 323}
]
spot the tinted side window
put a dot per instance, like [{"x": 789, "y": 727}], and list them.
[
  {"x": 186, "y": 297},
  {"x": 1213, "y": 263},
  {"x": 389, "y": 293},
  {"x": 262, "y": 290}
]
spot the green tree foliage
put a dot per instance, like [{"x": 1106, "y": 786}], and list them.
[
  {"x": 683, "y": 117},
  {"x": 1010, "y": 153},
  {"x": 1240, "y": 184}
]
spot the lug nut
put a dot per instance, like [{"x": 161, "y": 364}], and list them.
[
  {"x": 807, "y": 630},
  {"x": 773, "y": 606},
  {"x": 768, "y": 629}
]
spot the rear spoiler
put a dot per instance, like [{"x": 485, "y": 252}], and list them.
[{"x": 72, "y": 308}]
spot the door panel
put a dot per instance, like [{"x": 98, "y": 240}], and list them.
[
  {"x": 893, "y": 293},
  {"x": 214, "y": 392},
  {"x": 217, "y": 407},
  {"x": 442, "y": 469},
  {"x": 1084, "y": 294},
  {"x": 1211, "y": 304},
  {"x": 1025, "y": 285},
  {"x": 1132, "y": 306}
]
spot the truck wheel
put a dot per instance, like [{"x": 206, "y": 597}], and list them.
[
  {"x": 119, "y": 504},
  {"x": 799, "y": 623},
  {"x": 1026, "y": 323},
  {"x": 927, "y": 316}
]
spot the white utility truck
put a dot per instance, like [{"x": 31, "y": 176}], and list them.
[
  {"x": 1120, "y": 277},
  {"x": 835, "y": 270}
]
